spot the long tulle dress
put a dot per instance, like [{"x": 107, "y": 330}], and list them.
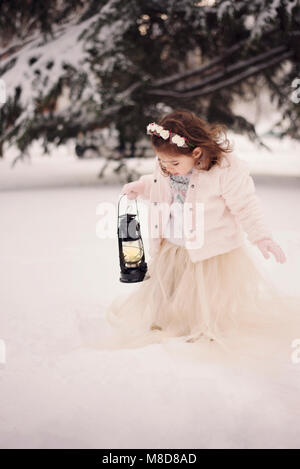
[{"x": 224, "y": 308}]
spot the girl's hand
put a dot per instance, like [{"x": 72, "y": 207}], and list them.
[
  {"x": 267, "y": 244},
  {"x": 132, "y": 189}
]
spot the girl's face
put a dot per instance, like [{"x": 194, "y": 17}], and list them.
[{"x": 179, "y": 164}]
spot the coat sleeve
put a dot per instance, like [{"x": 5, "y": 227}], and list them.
[
  {"x": 238, "y": 191},
  {"x": 146, "y": 180}
]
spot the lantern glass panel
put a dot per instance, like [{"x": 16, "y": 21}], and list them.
[{"x": 132, "y": 252}]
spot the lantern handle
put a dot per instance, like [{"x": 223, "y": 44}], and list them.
[{"x": 123, "y": 195}]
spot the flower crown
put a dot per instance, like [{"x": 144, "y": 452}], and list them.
[{"x": 166, "y": 134}]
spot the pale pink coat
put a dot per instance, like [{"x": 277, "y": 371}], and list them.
[{"x": 221, "y": 204}]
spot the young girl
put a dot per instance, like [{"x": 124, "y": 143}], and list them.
[{"x": 203, "y": 284}]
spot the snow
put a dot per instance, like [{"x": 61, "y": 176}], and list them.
[
  {"x": 56, "y": 279},
  {"x": 70, "y": 51},
  {"x": 70, "y": 45}
]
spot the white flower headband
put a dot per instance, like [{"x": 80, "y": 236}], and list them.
[{"x": 156, "y": 129}]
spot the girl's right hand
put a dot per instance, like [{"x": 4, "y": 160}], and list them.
[{"x": 132, "y": 189}]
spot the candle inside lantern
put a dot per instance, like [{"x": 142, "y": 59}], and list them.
[{"x": 132, "y": 253}]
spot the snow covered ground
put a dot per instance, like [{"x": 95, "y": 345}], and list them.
[{"x": 57, "y": 277}]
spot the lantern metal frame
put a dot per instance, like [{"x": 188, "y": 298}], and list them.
[{"x": 137, "y": 272}]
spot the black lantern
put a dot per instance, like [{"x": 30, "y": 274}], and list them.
[{"x": 131, "y": 248}]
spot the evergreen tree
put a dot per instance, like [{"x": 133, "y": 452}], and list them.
[{"x": 121, "y": 63}]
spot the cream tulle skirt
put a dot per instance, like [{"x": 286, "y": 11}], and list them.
[{"x": 223, "y": 307}]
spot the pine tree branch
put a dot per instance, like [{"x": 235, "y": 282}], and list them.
[
  {"x": 203, "y": 68},
  {"x": 275, "y": 87},
  {"x": 13, "y": 49},
  {"x": 237, "y": 67},
  {"x": 225, "y": 83},
  {"x": 73, "y": 125},
  {"x": 182, "y": 76}
]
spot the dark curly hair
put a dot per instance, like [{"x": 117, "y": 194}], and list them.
[{"x": 211, "y": 138}]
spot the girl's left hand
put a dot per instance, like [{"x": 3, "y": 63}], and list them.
[{"x": 267, "y": 244}]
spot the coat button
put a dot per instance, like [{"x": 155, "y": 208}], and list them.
[
  {"x": 155, "y": 203},
  {"x": 155, "y": 180},
  {"x": 156, "y": 226},
  {"x": 193, "y": 185},
  {"x": 191, "y": 231}
]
